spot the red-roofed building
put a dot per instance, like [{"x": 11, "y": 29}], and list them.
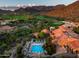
[
  {"x": 45, "y": 31},
  {"x": 57, "y": 33},
  {"x": 6, "y": 28},
  {"x": 63, "y": 39},
  {"x": 74, "y": 45},
  {"x": 36, "y": 34},
  {"x": 62, "y": 27}
]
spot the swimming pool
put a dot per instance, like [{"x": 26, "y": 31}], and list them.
[{"x": 37, "y": 49}]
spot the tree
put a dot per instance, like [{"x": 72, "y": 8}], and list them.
[
  {"x": 19, "y": 52},
  {"x": 42, "y": 35},
  {"x": 76, "y": 30},
  {"x": 49, "y": 47}
]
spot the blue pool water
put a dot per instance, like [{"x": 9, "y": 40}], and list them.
[{"x": 37, "y": 49}]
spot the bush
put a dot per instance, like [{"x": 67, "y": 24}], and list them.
[
  {"x": 49, "y": 47},
  {"x": 19, "y": 52},
  {"x": 76, "y": 30},
  {"x": 42, "y": 35}
]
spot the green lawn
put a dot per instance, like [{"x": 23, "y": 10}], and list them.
[{"x": 10, "y": 17}]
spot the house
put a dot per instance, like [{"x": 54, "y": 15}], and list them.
[
  {"x": 6, "y": 28},
  {"x": 46, "y": 31},
  {"x": 63, "y": 39},
  {"x": 36, "y": 34},
  {"x": 74, "y": 45},
  {"x": 62, "y": 27},
  {"x": 57, "y": 33}
]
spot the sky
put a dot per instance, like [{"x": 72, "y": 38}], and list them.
[{"x": 34, "y": 2}]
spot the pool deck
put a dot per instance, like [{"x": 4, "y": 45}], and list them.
[
  {"x": 35, "y": 43},
  {"x": 27, "y": 49}
]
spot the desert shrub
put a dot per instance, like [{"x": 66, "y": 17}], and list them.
[{"x": 76, "y": 30}]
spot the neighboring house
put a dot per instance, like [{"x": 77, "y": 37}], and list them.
[{"x": 6, "y": 28}]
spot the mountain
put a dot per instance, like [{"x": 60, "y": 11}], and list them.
[
  {"x": 34, "y": 9},
  {"x": 5, "y": 11},
  {"x": 70, "y": 12},
  {"x": 11, "y": 8},
  {"x": 28, "y": 9}
]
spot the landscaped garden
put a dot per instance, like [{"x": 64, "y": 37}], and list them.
[{"x": 25, "y": 25}]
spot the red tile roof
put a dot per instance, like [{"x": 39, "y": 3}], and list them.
[
  {"x": 36, "y": 34},
  {"x": 45, "y": 31},
  {"x": 62, "y": 28},
  {"x": 74, "y": 44},
  {"x": 6, "y": 28},
  {"x": 57, "y": 32},
  {"x": 63, "y": 39}
]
